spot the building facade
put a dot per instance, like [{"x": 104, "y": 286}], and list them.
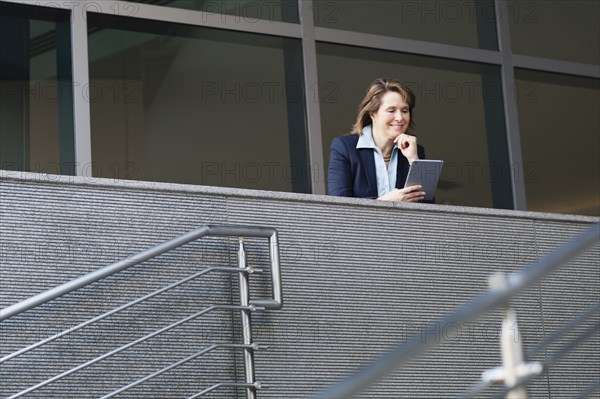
[{"x": 249, "y": 94}]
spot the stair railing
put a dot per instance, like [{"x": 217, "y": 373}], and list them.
[
  {"x": 500, "y": 295},
  {"x": 246, "y": 306}
]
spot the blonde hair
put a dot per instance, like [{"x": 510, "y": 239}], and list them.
[{"x": 373, "y": 98}]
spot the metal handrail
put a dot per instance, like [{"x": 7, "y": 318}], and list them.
[
  {"x": 248, "y": 346},
  {"x": 129, "y": 345},
  {"x": 179, "y": 363},
  {"x": 476, "y": 389},
  {"x": 254, "y": 385},
  {"x": 479, "y": 387},
  {"x": 555, "y": 358},
  {"x": 582, "y": 317},
  {"x": 125, "y": 306},
  {"x": 516, "y": 283},
  {"x": 245, "y": 307},
  {"x": 276, "y": 302}
]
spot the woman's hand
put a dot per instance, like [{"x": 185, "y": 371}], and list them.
[
  {"x": 407, "y": 144},
  {"x": 406, "y": 194}
]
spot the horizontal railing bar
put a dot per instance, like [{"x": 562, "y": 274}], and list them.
[
  {"x": 208, "y": 230},
  {"x": 255, "y": 385},
  {"x": 583, "y": 316},
  {"x": 177, "y": 364},
  {"x": 129, "y": 345},
  {"x": 123, "y": 307},
  {"x": 556, "y": 356},
  {"x": 481, "y": 386},
  {"x": 516, "y": 283}
]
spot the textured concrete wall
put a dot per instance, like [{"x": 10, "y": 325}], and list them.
[{"x": 359, "y": 276}]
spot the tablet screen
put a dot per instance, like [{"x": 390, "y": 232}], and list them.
[{"x": 425, "y": 172}]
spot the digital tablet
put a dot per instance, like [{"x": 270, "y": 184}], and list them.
[{"x": 425, "y": 172}]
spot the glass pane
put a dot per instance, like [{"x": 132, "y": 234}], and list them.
[
  {"x": 560, "y": 129},
  {"x": 181, "y": 104},
  {"x": 36, "y": 111},
  {"x": 562, "y": 29},
  {"x": 458, "y": 115},
  {"x": 461, "y": 23},
  {"x": 245, "y": 10}
]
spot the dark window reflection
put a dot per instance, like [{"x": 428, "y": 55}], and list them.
[
  {"x": 561, "y": 29},
  {"x": 36, "y": 118},
  {"x": 461, "y": 23},
  {"x": 560, "y": 139},
  {"x": 183, "y": 104}
]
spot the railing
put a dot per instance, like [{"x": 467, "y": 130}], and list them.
[
  {"x": 515, "y": 373},
  {"x": 245, "y": 307}
]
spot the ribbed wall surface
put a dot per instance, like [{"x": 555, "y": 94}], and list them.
[{"x": 358, "y": 278}]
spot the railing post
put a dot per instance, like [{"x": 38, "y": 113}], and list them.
[
  {"x": 512, "y": 354},
  {"x": 246, "y": 323},
  {"x": 514, "y": 369}
]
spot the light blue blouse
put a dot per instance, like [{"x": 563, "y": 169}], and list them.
[{"x": 386, "y": 177}]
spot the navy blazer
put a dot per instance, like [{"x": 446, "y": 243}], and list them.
[{"x": 351, "y": 171}]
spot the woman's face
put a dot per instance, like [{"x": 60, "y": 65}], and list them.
[{"x": 392, "y": 117}]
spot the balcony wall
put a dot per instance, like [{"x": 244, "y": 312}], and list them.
[{"x": 359, "y": 276}]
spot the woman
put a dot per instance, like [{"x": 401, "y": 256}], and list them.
[{"x": 373, "y": 161}]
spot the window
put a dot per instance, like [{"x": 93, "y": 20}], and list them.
[
  {"x": 182, "y": 104},
  {"x": 561, "y": 29},
  {"x": 458, "y": 115},
  {"x": 36, "y": 117},
  {"x": 560, "y": 125},
  {"x": 461, "y": 23}
]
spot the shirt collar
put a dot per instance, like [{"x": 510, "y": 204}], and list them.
[{"x": 365, "y": 140}]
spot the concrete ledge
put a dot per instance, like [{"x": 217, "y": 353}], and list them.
[{"x": 284, "y": 196}]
